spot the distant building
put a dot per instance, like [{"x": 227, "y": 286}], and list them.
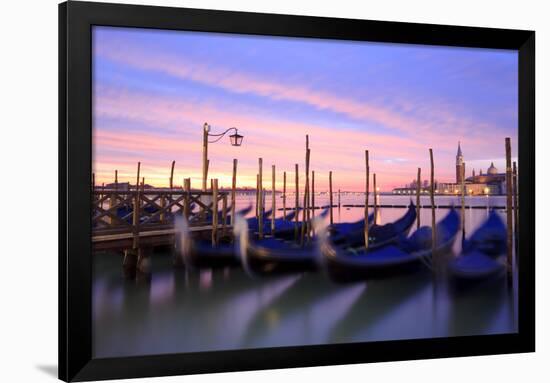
[
  {"x": 459, "y": 165},
  {"x": 490, "y": 183}
]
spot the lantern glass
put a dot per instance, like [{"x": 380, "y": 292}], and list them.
[{"x": 236, "y": 139}]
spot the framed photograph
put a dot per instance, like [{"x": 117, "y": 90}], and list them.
[{"x": 249, "y": 191}]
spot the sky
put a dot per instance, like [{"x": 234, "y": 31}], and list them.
[{"x": 154, "y": 89}]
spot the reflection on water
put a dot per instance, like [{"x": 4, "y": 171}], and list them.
[{"x": 174, "y": 310}]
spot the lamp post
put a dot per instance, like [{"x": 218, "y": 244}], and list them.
[{"x": 235, "y": 139}]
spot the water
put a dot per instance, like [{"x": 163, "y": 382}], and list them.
[{"x": 174, "y": 310}]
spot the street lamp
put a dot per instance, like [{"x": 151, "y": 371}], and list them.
[{"x": 235, "y": 139}]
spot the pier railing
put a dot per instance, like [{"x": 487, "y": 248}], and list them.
[{"x": 131, "y": 214}]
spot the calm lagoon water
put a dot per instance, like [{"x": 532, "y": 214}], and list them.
[{"x": 174, "y": 310}]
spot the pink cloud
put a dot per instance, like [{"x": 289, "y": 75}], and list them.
[
  {"x": 278, "y": 141},
  {"x": 424, "y": 121}
]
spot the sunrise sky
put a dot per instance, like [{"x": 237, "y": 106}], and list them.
[{"x": 153, "y": 90}]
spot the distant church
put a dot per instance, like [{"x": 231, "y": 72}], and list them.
[{"x": 490, "y": 183}]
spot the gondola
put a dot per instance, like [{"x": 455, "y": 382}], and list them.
[
  {"x": 482, "y": 256},
  {"x": 406, "y": 255},
  {"x": 489, "y": 238},
  {"x": 287, "y": 228},
  {"x": 201, "y": 253},
  {"x": 379, "y": 235},
  {"x": 275, "y": 254},
  {"x": 339, "y": 231}
]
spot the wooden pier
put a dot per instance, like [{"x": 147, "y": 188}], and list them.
[{"x": 129, "y": 219}]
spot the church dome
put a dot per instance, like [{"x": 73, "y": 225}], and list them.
[{"x": 492, "y": 170}]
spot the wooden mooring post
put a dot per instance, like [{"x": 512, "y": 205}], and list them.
[
  {"x": 516, "y": 222},
  {"x": 375, "y": 191},
  {"x": 214, "y": 183},
  {"x": 261, "y": 200},
  {"x": 233, "y": 191},
  {"x": 284, "y": 195},
  {"x": 305, "y": 210},
  {"x": 224, "y": 214},
  {"x": 418, "y": 181},
  {"x": 93, "y": 187},
  {"x": 205, "y": 129},
  {"x": 137, "y": 208},
  {"x": 330, "y": 197},
  {"x": 273, "y": 202},
  {"x": 257, "y": 196},
  {"x": 463, "y": 201},
  {"x": 297, "y": 202},
  {"x": 435, "y": 258},
  {"x": 313, "y": 194},
  {"x": 113, "y": 198},
  {"x": 163, "y": 197},
  {"x": 143, "y": 253},
  {"x": 367, "y": 176},
  {"x": 187, "y": 201},
  {"x": 509, "y": 213}
]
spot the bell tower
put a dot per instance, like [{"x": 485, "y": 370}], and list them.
[{"x": 459, "y": 165}]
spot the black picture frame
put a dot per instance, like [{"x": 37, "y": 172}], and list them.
[{"x": 75, "y": 157}]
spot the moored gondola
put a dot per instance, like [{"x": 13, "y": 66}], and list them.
[
  {"x": 286, "y": 229},
  {"x": 379, "y": 235},
  {"x": 482, "y": 257},
  {"x": 200, "y": 252},
  {"x": 406, "y": 255},
  {"x": 339, "y": 231},
  {"x": 489, "y": 238}
]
